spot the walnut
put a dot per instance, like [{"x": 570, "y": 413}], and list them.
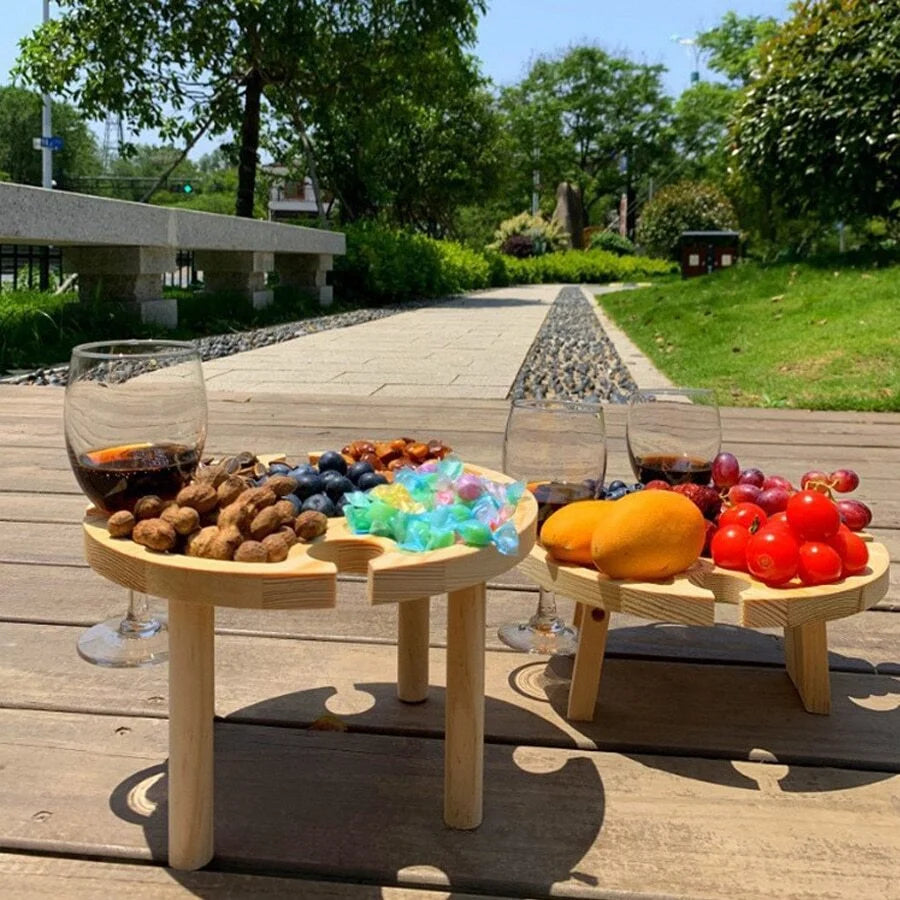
[
  {"x": 251, "y": 551},
  {"x": 184, "y": 519},
  {"x": 120, "y": 524},
  {"x": 202, "y": 497},
  {"x": 209, "y": 544},
  {"x": 154, "y": 534},
  {"x": 310, "y": 524},
  {"x": 265, "y": 522},
  {"x": 276, "y": 546},
  {"x": 148, "y": 507},
  {"x": 230, "y": 489},
  {"x": 281, "y": 485}
]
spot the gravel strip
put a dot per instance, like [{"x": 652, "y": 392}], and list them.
[
  {"x": 572, "y": 358},
  {"x": 221, "y": 345}
]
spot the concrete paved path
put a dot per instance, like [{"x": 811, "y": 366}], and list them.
[{"x": 470, "y": 347}]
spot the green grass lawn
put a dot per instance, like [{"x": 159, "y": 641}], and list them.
[{"x": 793, "y": 335}]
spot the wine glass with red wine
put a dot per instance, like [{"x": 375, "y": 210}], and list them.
[
  {"x": 673, "y": 434},
  {"x": 135, "y": 425},
  {"x": 558, "y": 447}
]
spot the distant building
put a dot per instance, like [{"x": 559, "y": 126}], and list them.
[{"x": 294, "y": 199}]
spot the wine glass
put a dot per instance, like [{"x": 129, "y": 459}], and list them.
[
  {"x": 135, "y": 424},
  {"x": 558, "y": 447},
  {"x": 673, "y": 434}
]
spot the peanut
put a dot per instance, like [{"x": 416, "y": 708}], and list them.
[
  {"x": 276, "y": 546},
  {"x": 265, "y": 522},
  {"x": 154, "y": 534},
  {"x": 251, "y": 551},
  {"x": 184, "y": 519},
  {"x": 310, "y": 524},
  {"x": 202, "y": 497},
  {"x": 281, "y": 485},
  {"x": 148, "y": 507},
  {"x": 120, "y": 524}
]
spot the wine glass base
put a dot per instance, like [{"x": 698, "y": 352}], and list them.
[
  {"x": 110, "y": 644},
  {"x": 556, "y": 639}
]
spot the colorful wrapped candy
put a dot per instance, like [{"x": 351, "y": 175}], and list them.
[{"x": 436, "y": 505}]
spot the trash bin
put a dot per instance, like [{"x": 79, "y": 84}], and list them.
[{"x": 705, "y": 251}]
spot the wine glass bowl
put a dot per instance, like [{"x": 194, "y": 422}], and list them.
[
  {"x": 135, "y": 419},
  {"x": 673, "y": 434},
  {"x": 558, "y": 448}
]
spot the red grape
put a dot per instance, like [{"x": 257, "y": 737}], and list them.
[
  {"x": 773, "y": 555},
  {"x": 743, "y": 493},
  {"x": 725, "y": 470},
  {"x": 813, "y": 515},
  {"x": 752, "y": 476},
  {"x": 819, "y": 563},
  {"x": 773, "y": 500},
  {"x": 844, "y": 480},
  {"x": 777, "y": 481},
  {"x": 854, "y": 513},
  {"x": 657, "y": 485}
]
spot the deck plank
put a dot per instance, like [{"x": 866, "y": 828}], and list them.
[{"x": 368, "y": 807}]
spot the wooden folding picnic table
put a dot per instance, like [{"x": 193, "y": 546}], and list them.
[{"x": 307, "y": 579}]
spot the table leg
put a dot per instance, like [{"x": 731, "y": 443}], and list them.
[
  {"x": 464, "y": 724},
  {"x": 191, "y": 708},
  {"x": 588, "y": 664},
  {"x": 806, "y": 659},
  {"x": 412, "y": 649}
]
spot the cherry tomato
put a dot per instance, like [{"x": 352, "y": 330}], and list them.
[
  {"x": 819, "y": 563},
  {"x": 729, "y": 547},
  {"x": 778, "y": 520},
  {"x": 852, "y": 550},
  {"x": 749, "y": 515},
  {"x": 773, "y": 555},
  {"x": 813, "y": 515}
]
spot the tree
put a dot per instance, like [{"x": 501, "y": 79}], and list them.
[
  {"x": 700, "y": 130},
  {"x": 732, "y": 47},
  {"x": 20, "y": 122},
  {"x": 819, "y": 129},
  {"x": 186, "y": 67},
  {"x": 596, "y": 120}
]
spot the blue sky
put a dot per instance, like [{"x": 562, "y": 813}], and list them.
[{"x": 514, "y": 32}]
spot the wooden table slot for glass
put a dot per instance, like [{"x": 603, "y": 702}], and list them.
[
  {"x": 307, "y": 579},
  {"x": 692, "y": 598}
]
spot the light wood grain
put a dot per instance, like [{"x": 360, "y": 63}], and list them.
[{"x": 412, "y": 649}]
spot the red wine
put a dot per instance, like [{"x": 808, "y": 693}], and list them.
[
  {"x": 674, "y": 469},
  {"x": 553, "y": 495},
  {"x": 116, "y": 478}
]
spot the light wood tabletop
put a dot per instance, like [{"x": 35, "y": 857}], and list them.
[{"x": 700, "y": 774}]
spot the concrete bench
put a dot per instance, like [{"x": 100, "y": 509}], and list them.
[{"x": 121, "y": 250}]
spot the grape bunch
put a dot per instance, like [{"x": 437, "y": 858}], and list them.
[{"x": 771, "y": 493}]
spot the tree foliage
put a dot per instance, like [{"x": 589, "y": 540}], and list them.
[
  {"x": 20, "y": 122},
  {"x": 184, "y": 67},
  {"x": 819, "y": 129},
  {"x": 733, "y": 46},
  {"x": 587, "y": 117}
]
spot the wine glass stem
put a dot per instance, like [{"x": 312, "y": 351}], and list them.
[
  {"x": 546, "y": 616},
  {"x": 138, "y": 617}
]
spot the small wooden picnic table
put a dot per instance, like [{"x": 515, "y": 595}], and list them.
[{"x": 699, "y": 775}]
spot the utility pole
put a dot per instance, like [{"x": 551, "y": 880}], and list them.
[{"x": 46, "y": 127}]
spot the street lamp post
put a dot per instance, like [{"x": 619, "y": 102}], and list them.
[{"x": 46, "y": 128}]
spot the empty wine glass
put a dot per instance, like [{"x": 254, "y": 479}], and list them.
[
  {"x": 135, "y": 424},
  {"x": 558, "y": 447},
  {"x": 673, "y": 434}
]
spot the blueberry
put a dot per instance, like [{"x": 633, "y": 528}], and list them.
[
  {"x": 617, "y": 485},
  {"x": 320, "y": 503},
  {"x": 368, "y": 480},
  {"x": 279, "y": 468},
  {"x": 357, "y": 469},
  {"x": 308, "y": 484},
  {"x": 637, "y": 486},
  {"x": 331, "y": 460},
  {"x": 337, "y": 487},
  {"x": 601, "y": 492},
  {"x": 293, "y": 498},
  {"x": 342, "y": 502},
  {"x": 305, "y": 469},
  {"x": 616, "y": 493}
]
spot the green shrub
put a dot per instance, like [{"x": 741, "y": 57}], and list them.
[
  {"x": 545, "y": 237},
  {"x": 686, "y": 206},
  {"x": 613, "y": 242}
]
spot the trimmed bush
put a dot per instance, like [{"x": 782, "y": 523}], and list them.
[
  {"x": 686, "y": 206},
  {"x": 613, "y": 242}
]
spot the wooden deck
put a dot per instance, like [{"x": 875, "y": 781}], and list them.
[{"x": 701, "y": 775}]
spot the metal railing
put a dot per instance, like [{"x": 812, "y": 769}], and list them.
[{"x": 26, "y": 266}]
